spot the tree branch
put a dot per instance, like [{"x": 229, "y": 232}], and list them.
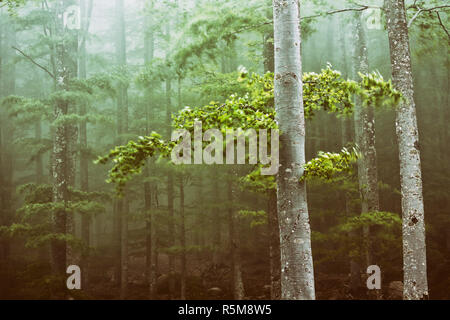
[
  {"x": 442, "y": 24},
  {"x": 34, "y": 62},
  {"x": 424, "y": 10},
  {"x": 360, "y": 8}
]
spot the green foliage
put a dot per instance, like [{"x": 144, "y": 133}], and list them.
[
  {"x": 257, "y": 218},
  {"x": 378, "y": 218},
  {"x": 130, "y": 158},
  {"x": 12, "y": 5},
  {"x": 328, "y": 165},
  {"x": 254, "y": 110},
  {"x": 34, "y": 218},
  {"x": 256, "y": 182}
]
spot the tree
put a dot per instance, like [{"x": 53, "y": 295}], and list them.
[
  {"x": 297, "y": 271},
  {"x": 415, "y": 285},
  {"x": 65, "y": 133},
  {"x": 364, "y": 120},
  {"x": 86, "y": 10}
]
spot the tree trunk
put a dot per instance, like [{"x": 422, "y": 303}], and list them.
[
  {"x": 297, "y": 271},
  {"x": 7, "y": 87},
  {"x": 148, "y": 188},
  {"x": 415, "y": 285},
  {"x": 274, "y": 246},
  {"x": 122, "y": 105},
  {"x": 182, "y": 240},
  {"x": 84, "y": 161},
  {"x": 237, "y": 283},
  {"x": 216, "y": 216},
  {"x": 365, "y": 138},
  {"x": 63, "y": 160},
  {"x": 170, "y": 194}
]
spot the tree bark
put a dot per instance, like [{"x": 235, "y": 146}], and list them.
[
  {"x": 297, "y": 271},
  {"x": 415, "y": 285}
]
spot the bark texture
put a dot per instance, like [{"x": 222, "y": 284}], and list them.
[
  {"x": 415, "y": 285},
  {"x": 297, "y": 272}
]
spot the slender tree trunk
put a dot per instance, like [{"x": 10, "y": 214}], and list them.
[
  {"x": 274, "y": 246},
  {"x": 7, "y": 87},
  {"x": 297, "y": 271},
  {"x": 39, "y": 163},
  {"x": 123, "y": 206},
  {"x": 216, "y": 216},
  {"x": 63, "y": 160},
  {"x": 355, "y": 272},
  {"x": 148, "y": 187},
  {"x": 237, "y": 283},
  {"x": 182, "y": 239},
  {"x": 415, "y": 285},
  {"x": 272, "y": 213},
  {"x": 365, "y": 138},
  {"x": 84, "y": 161},
  {"x": 170, "y": 195}
]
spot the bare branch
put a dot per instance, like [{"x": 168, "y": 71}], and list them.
[
  {"x": 442, "y": 24},
  {"x": 425, "y": 10},
  {"x": 360, "y": 8},
  {"x": 34, "y": 62}
]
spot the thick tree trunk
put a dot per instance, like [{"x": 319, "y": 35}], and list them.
[
  {"x": 415, "y": 285},
  {"x": 297, "y": 271}
]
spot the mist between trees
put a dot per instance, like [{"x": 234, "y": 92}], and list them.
[{"x": 91, "y": 93}]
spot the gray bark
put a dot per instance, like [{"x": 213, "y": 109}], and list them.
[
  {"x": 297, "y": 271},
  {"x": 415, "y": 285}
]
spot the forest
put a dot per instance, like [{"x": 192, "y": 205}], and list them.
[{"x": 112, "y": 186}]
